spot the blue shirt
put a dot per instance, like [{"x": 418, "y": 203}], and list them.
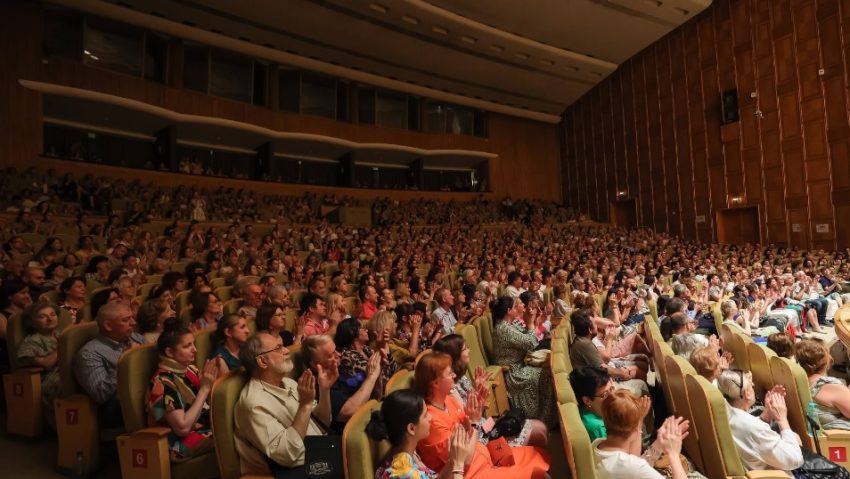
[{"x": 96, "y": 366}]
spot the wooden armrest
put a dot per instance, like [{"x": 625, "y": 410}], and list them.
[
  {"x": 836, "y": 434},
  {"x": 767, "y": 474},
  {"x": 144, "y": 454},
  {"x": 152, "y": 432}
]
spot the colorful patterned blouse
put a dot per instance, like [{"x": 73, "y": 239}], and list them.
[
  {"x": 404, "y": 466},
  {"x": 174, "y": 387}
]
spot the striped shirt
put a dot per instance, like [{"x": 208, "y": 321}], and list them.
[{"x": 96, "y": 366}]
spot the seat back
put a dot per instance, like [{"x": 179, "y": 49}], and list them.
[
  {"x": 654, "y": 330},
  {"x": 402, "y": 379},
  {"x": 759, "y": 357},
  {"x": 484, "y": 327},
  {"x": 135, "y": 369},
  {"x": 661, "y": 351},
  {"x": 476, "y": 357},
  {"x": 677, "y": 369},
  {"x": 361, "y": 455},
  {"x": 65, "y": 320},
  {"x": 297, "y": 362},
  {"x": 145, "y": 289},
  {"x": 182, "y": 299},
  {"x": 232, "y": 306},
  {"x": 563, "y": 390},
  {"x": 653, "y": 308},
  {"x": 203, "y": 346},
  {"x": 719, "y": 453},
  {"x": 577, "y": 447},
  {"x": 70, "y": 341},
  {"x": 717, "y": 315},
  {"x": 735, "y": 343},
  {"x": 787, "y": 373},
  {"x": 842, "y": 325},
  {"x": 563, "y": 335},
  {"x": 224, "y": 293},
  {"x": 560, "y": 363},
  {"x": 295, "y": 296},
  {"x": 350, "y": 303},
  {"x": 51, "y": 296},
  {"x": 225, "y": 394},
  {"x": 14, "y": 336}
]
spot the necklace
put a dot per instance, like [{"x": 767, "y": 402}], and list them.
[{"x": 444, "y": 408}]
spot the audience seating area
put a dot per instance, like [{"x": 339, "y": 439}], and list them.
[{"x": 502, "y": 249}]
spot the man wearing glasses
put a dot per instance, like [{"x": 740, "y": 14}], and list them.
[{"x": 275, "y": 413}]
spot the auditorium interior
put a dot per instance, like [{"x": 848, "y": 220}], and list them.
[{"x": 624, "y": 225}]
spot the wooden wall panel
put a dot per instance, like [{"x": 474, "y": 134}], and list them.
[
  {"x": 529, "y": 164},
  {"x": 789, "y": 154}
]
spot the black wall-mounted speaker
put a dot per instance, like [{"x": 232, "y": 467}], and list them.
[{"x": 729, "y": 107}]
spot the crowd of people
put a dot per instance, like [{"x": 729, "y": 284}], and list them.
[{"x": 360, "y": 304}]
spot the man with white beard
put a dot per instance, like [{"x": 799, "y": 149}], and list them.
[{"x": 275, "y": 413}]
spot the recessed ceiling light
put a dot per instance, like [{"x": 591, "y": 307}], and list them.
[
  {"x": 547, "y": 62},
  {"x": 378, "y": 7},
  {"x": 522, "y": 56},
  {"x": 410, "y": 20},
  {"x": 468, "y": 39},
  {"x": 497, "y": 48},
  {"x": 440, "y": 30}
]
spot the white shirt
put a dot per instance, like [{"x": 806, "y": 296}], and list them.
[
  {"x": 513, "y": 291},
  {"x": 446, "y": 318},
  {"x": 619, "y": 464},
  {"x": 760, "y": 447},
  {"x": 263, "y": 426}
]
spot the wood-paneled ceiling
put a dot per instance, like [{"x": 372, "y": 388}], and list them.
[{"x": 531, "y": 57}]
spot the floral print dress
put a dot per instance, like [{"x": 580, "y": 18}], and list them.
[{"x": 530, "y": 387}]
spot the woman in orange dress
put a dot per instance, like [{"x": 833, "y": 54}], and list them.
[{"x": 434, "y": 380}]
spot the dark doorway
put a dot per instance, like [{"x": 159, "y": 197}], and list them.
[
  {"x": 624, "y": 213},
  {"x": 738, "y": 225}
]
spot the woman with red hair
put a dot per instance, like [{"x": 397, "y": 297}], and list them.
[{"x": 434, "y": 380}]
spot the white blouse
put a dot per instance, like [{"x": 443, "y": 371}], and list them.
[
  {"x": 760, "y": 447},
  {"x": 619, "y": 464}
]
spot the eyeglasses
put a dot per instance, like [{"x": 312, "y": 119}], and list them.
[
  {"x": 608, "y": 389},
  {"x": 277, "y": 348}
]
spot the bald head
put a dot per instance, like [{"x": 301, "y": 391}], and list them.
[{"x": 116, "y": 321}]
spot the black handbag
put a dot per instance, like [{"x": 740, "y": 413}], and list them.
[
  {"x": 322, "y": 460},
  {"x": 509, "y": 425},
  {"x": 815, "y": 466}
]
